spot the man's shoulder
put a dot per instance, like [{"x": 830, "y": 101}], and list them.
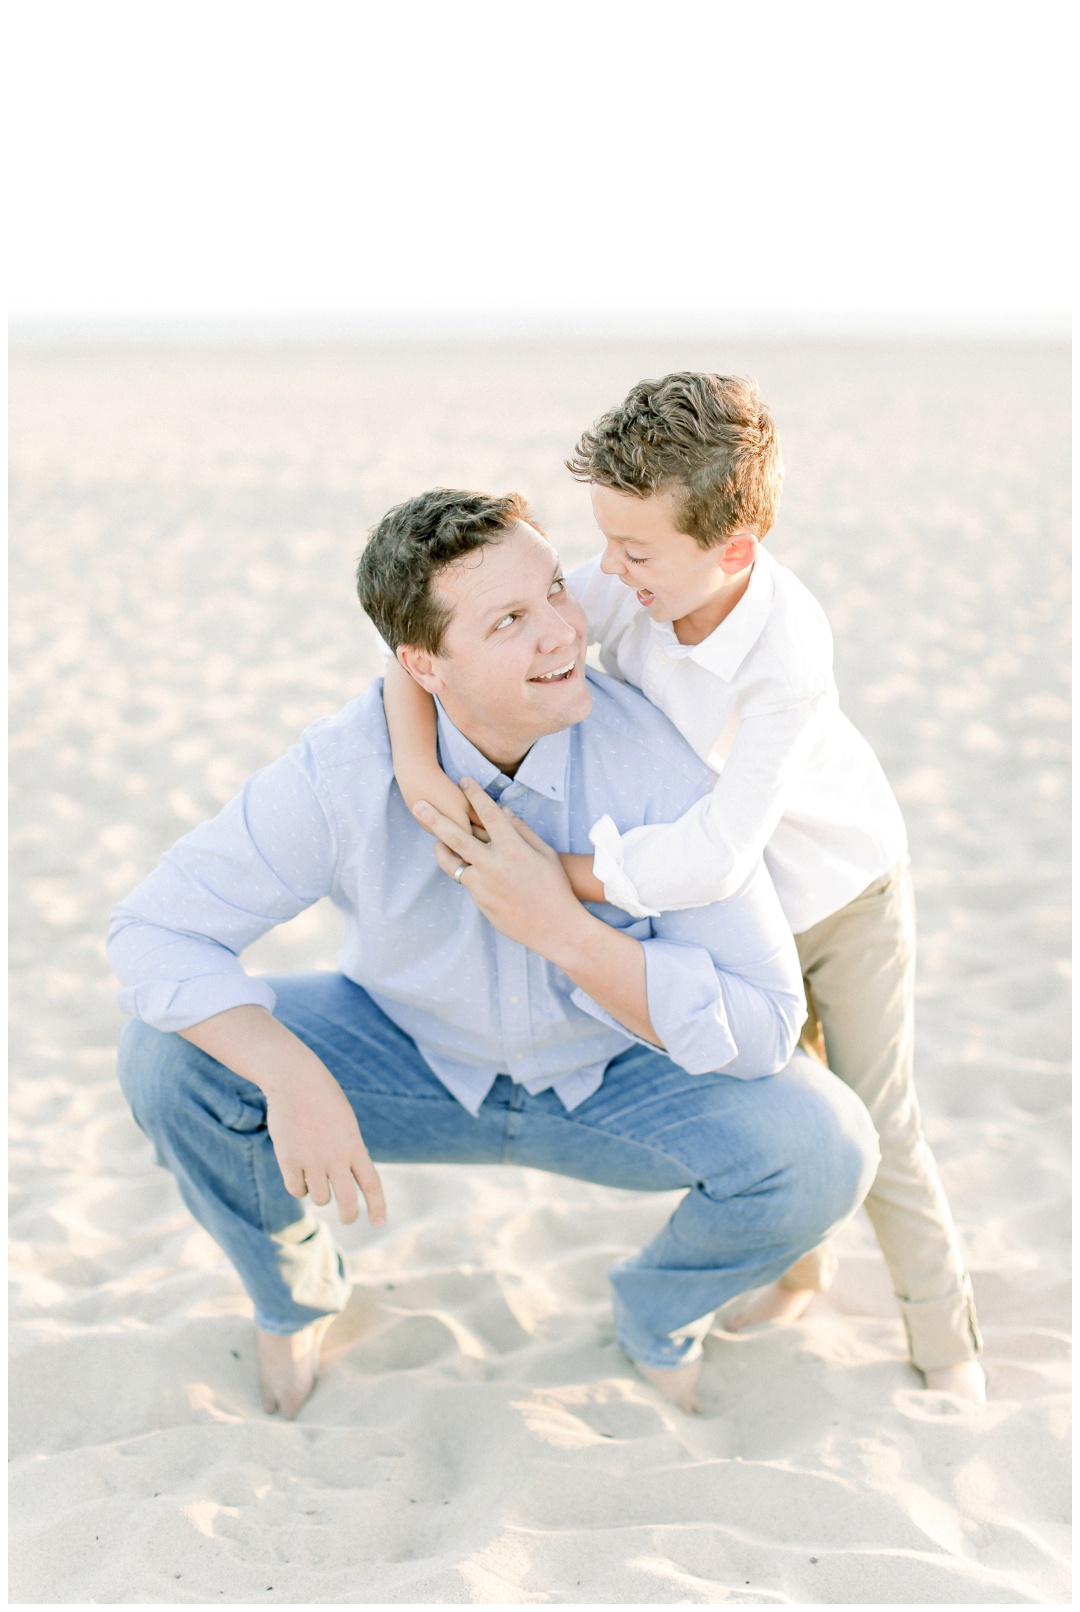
[
  {"x": 355, "y": 734},
  {"x": 635, "y": 737}
]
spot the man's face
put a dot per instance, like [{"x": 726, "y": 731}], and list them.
[
  {"x": 668, "y": 570},
  {"x": 512, "y": 663}
]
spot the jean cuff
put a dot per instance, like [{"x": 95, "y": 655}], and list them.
[{"x": 680, "y": 1348}]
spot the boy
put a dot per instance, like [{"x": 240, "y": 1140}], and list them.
[{"x": 685, "y": 480}]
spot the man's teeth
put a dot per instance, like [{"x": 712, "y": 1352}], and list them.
[{"x": 549, "y": 677}]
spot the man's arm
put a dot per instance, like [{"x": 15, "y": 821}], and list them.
[
  {"x": 718, "y": 987},
  {"x": 519, "y": 885},
  {"x": 311, "y": 1123},
  {"x": 174, "y": 944}
]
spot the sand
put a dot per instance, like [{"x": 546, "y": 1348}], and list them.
[{"x": 186, "y": 524}]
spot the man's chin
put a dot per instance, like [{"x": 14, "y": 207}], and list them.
[{"x": 573, "y": 709}]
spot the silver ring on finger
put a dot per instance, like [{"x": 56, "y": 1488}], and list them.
[{"x": 458, "y": 871}]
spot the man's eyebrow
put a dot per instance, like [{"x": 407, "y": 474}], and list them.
[{"x": 515, "y": 604}]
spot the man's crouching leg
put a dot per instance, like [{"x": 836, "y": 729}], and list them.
[
  {"x": 780, "y": 1163},
  {"x": 208, "y": 1127}
]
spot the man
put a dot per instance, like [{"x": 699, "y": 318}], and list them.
[{"x": 482, "y": 1014}]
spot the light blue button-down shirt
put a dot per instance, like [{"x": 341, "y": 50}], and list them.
[{"x": 327, "y": 819}]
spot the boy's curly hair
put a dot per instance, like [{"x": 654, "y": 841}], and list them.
[{"x": 709, "y": 439}]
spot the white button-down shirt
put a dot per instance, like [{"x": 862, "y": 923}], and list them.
[
  {"x": 757, "y": 700},
  {"x": 723, "y": 983}
]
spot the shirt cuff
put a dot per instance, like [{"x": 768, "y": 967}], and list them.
[
  {"x": 608, "y": 868},
  {"x": 686, "y": 1007},
  {"x": 172, "y": 1005}
]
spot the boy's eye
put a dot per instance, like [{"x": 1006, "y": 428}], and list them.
[
  {"x": 634, "y": 559},
  {"x": 558, "y": 586}
]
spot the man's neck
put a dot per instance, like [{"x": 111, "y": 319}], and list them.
[{"x": 497, "y": 748}]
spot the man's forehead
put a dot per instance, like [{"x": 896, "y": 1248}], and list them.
[{"x": 518, "y": 558}]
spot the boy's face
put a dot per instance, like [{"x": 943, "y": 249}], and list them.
[{"x": 670, "y": 572}]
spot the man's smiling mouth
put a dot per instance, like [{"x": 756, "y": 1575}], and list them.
[{"x": 559, "y": 675}]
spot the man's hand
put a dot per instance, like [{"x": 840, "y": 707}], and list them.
[
  {"x": 520, "y": 885},
  {"x": 311, "y": 1122},
  {"x": 516, "y": 879},
  {"x": 319, "y": 1147}
]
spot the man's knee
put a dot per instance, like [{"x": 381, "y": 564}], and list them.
[
  {"x": 158, "y": 1072},
  {"x": 832, "y": 1146}
]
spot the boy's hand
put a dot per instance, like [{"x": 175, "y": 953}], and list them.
[
  {"x": 446, "y": 797},
  {"x": 516, "y": 879}
]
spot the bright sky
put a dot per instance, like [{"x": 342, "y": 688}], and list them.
[{"x": 337, "y": 158}]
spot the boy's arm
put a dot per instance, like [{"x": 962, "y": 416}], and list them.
[
  {"x": 517, "y": 883},
  {"x": 711, "y": 850},
  {"x": 413, "y": 725},
  {"x": 719, "y": 989}
]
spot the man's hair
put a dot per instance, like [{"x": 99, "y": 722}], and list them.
[
  {"x": 408, "y": 548},
  {"x": 709, "y": 439}
]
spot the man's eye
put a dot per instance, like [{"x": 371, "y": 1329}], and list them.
[{"x": 504, "y": 622}]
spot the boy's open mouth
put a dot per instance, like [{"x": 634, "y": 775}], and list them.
[
  {"x": 645, "y": 596},
  {"x": 561, "y": 674}
]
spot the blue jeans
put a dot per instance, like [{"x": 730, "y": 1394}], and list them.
[{"x": 770, "y": 1166}]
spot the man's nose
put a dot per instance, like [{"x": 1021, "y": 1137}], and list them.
[{"x": 559, "y": 632}]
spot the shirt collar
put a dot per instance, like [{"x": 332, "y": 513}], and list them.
[
  {"x": 543, "y": 770},
  {"x": 728, "y": 645}
]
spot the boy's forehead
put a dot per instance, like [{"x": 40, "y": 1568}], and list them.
[{"x": 629, "y": 515}]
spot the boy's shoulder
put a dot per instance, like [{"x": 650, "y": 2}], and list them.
[{"x": 795, "y": 640}]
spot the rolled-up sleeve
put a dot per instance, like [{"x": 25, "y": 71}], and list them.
[
  {"x": 723, "y": 982},
  {"x": 175, "y": 942}
]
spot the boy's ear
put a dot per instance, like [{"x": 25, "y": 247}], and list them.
[
  {"x": 422, "y": 667},
  {"x": 739, "y": 551}
]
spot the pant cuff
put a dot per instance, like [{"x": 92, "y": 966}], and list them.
[{"x": 942, "y": 1332}]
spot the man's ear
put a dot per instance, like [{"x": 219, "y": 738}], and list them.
[
  {"x": 423, "y": 667},
  {"x": 739, "y": 551}
]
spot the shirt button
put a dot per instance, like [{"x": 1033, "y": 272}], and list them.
[
  {"x": 519, "y": 1055},
  {"x": 514, "y": 1000}
]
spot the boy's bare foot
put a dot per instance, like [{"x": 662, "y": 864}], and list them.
[
  {"x": 289, "y": 1365},
  {"x": 774, "y": 1303},
  {"x": 676, "y": 1383},
  {"x": 966, "y": 1379}
]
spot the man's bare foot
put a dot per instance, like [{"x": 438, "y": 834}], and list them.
[
  {"x": 773, "y": 1303},
  {"x": 966, "y": 1380},
  {"x": 676, "y": 1383},
  {"x": 289, "y": 1365}
]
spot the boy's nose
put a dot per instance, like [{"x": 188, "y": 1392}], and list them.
[{"x": 611, "y": 562}]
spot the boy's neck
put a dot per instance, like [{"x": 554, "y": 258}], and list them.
[{"x": 696, "y": 625}]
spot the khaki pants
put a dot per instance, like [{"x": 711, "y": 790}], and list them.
[{"x": 859, "y": 965}]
